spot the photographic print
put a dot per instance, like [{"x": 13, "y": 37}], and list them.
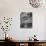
[{"x": 26, "y": 20}]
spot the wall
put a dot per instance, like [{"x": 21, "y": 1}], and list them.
[{"x": 13, "y": 8}]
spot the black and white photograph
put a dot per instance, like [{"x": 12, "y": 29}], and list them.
[{"x": 26, "y": 20}]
